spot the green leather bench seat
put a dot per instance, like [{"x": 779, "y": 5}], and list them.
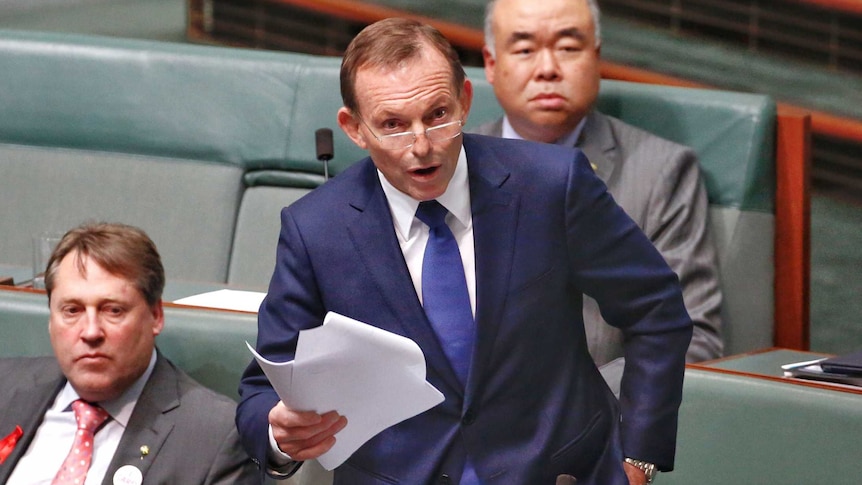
[
  {"x": 746, "y": 430},
  {"x": 158, "y": 135},
  {"x": 208, "y": 344}
]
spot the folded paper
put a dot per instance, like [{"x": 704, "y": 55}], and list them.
[{"x": 373, "y": 377}]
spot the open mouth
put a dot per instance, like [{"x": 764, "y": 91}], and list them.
[{"x": 425, "y": 171}]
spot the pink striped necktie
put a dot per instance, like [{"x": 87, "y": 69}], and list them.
[{"x": 74, "y": 469}]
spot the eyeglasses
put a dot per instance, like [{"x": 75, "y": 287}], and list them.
[{"x": 400, "y": 141}]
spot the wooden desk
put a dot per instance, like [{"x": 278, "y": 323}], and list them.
[{"x": 766, "y": 364}]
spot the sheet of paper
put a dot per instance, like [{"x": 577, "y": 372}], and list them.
[
  {"x": 246, "y": 301},
  {"x": 373, "y": 377}
]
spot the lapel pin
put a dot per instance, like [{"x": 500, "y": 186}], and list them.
[{"x": 145, "y": 450}]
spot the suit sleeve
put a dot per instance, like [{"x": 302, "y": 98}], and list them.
[
  {"x": 231, "y": 464},
  {"x": 291, "y": 304},
  {"x": 615, "y": 263},
  {"x": 678, "y": 226}
]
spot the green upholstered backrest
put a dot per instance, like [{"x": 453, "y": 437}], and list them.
[
  {"x": 152, "y": 134},
  {"x": 216, "y": 105},
  {"x": 160, "y": 135},
  {"x": 731, "y": 132},
  {"x": 23, "y": 324},
  {"x": 745, "y": 430},
  {"x": 209, "y": 345}
]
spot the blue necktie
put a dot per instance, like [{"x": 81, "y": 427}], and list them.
[
  {"x": 444, "y": 289},
  {"x": 445, "y": 299}
]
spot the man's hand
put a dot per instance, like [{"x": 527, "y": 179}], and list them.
[
  {"x": 635, "y": 475},
  {"x": 304, "y": 435}
]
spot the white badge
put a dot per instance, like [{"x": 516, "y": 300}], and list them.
[{"x": 128, "y": 475}]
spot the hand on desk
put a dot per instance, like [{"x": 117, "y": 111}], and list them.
[{"x": 304, "y": 435}]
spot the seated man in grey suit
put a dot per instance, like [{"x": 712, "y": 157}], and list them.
[
  {"x": 139, "y": 419},
  {"x": 542, "y": 59}
]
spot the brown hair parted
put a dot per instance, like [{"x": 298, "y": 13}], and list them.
[
  {"x": 388, "y": 43},
  {"x": 122, "y": 250}
]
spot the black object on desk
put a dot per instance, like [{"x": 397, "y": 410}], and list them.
[{"x": 847, "y": 364}]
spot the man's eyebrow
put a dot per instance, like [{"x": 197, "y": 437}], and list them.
[
  {"x": 569, "y": 32},
  {"x": 519, "y": 36},
  {"x": 572, "y": 32}
]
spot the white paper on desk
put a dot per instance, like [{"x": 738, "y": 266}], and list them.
[
  {"x": 373, "y": 377},
  {"x": 246, "y": 301}
]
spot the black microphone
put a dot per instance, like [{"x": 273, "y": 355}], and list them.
[{"x": 323, "y": 142}]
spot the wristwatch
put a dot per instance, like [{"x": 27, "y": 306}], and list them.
[{"x": 648, "y": 469}]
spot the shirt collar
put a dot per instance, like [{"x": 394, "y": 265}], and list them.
[
  {"x": 456, "y": 199},
  {"x": 119, "y": 408},
  {"x": 569, "y": 140}
]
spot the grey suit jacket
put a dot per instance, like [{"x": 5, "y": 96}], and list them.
[
  {"x": 188, "y": 428},
  {"x": 660, "y": 186}
]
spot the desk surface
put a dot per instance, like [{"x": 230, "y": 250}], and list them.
[{"x": 766, "y": 364}]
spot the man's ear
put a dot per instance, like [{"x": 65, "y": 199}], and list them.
[
  {"x": 466, "y": 99},
  {"x": 350, "y": 126},
  {"x": 489, "y": 64},
  {"x": 158, "y": 318}
]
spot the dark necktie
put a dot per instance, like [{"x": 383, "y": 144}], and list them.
[
  {"x": 444, "y": 289},
  {"x": 74, "y": 469}
]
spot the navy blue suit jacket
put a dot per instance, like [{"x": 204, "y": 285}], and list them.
[{"x": 546, "y": 231}]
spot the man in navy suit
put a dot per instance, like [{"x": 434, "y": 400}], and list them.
[{"x": 535, "y": 228}]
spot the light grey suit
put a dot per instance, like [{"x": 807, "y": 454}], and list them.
[
  {"x": 188, "y": 429},
  {"x": 660, "y": 186}
]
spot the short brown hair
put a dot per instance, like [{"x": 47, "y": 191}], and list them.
[
  {"x": 389, "y": 42},
  {"x": 119, "y": 249}
]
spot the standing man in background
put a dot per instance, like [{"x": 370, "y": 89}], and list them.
[
  {"x": 542, "y": 58},
  {"x": 479, "y": 249}
]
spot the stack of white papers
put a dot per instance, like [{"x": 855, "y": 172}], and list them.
[{"x": 373, "y": 377}]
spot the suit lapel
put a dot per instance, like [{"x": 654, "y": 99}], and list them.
[
  {"x": 495, "y": 217},
  {"x": 26, "y": 407},
  {"x": 150, "y": 423},
  {"x": 598, "y": 144},
  {"x": 373, "y": 236}
]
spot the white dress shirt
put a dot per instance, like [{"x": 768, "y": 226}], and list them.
[
  {"x": 413, "y": 233},
  {"x": 56, "y": 434}
]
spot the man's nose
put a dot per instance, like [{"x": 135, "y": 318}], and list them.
[
  {"x": 421, "y": 145},
  {"x": 92, "y": 327},
  {"x": 547, "y": 67}
]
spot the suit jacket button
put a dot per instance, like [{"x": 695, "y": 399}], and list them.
[
  {"x": 469, "y": 417},
  {"x": 445, "y": 480}
]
